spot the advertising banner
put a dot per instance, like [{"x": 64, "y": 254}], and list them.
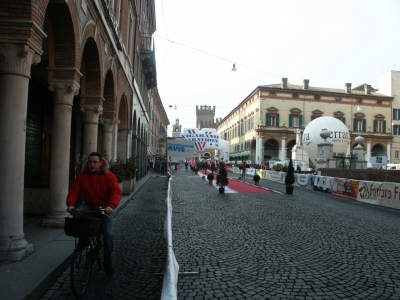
[
  {"x": 223, "y": 149},
  {"x": 250, "y": 171},
  {"x": 323, "y": 184},
  {"x": 310, "y": 181},
  {"x": 379, "y": 161},
  {"x": 302, "y": 179},
  {"x": 206, "y": 138},
  {"x": 346, "y": 188},
  {"x": 275, "y": 176},
  {"x": 180, "y": 150},
  {"x": 379, "y": 193},
  {"x": 321, "y": 162}
]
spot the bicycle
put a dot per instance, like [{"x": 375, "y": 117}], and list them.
[{"x": 88, "y": 247}]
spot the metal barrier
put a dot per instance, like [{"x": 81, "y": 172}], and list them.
[{"x": 170, "y": 282}]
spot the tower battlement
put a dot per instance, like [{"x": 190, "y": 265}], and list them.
[
  {"x": 205, "y": 117},
  {"x": 205, "y": 109}
]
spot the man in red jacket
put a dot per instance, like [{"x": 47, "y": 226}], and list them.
[
  {"x": 100, "y": 188},
  {"x": 244, "y": 165}
]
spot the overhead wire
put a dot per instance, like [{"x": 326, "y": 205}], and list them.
[
  {"x": 210, "y": 54},
  {"x": 166, "y": 31}
]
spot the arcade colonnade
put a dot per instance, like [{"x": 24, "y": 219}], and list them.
[
  {"x": 66, "y": 89},
  {"x": 283, "y": 150}
]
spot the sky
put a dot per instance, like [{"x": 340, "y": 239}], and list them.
[{"x": 328, "y": 42}]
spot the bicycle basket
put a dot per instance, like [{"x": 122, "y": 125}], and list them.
[{"x": 81, "y": 227}]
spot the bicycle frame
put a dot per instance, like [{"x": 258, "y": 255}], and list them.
[{"x": 86, "y": 253}]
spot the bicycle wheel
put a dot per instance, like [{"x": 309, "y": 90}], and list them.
[
  {"x": 98, "y": 253},
  {"x": 81, "y": 268}
]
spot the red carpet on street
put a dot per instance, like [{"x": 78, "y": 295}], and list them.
[{"x": 237, "y": 186}]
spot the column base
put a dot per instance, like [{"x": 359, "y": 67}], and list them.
[
  {"x": 14, "y": 248},
  {"x": 55, "y": 218}
]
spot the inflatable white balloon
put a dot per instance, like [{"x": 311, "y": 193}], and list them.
[{"x": 339, "y": 136}]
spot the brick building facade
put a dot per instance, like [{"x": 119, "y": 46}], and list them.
[{"x": 75, "y": 77}]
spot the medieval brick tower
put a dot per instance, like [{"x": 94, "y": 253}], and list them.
[{"x": 205, "y": 116}]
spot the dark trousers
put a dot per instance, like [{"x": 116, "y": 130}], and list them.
[{"x": 107, "y": 230}]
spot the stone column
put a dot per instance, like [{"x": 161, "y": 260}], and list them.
[
  {"x": 144, "y": 158},
  {"x": 63, "y": 95},
  {"x": 90, "y": 127},
  {"x": 259, "y": 150},
  {"x": 368, "y": 154},
  {"x": 134, "y": 144},
  {"x": 134, "y": 152},
  {"x": 15, "y": 70},
  {"x": 282, "y": 155},
  {"x": 388, "y": 151},
  {"x": 139, "y": 156},
  {"x": 115, "y": 140},
  {"x": 108, "y": 131},
  {"x": 128, "y": 143},
  {"x": 123, "y": 136},
  {"x": 358, "y": 151}
]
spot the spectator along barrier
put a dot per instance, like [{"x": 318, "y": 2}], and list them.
[{"x": 378, "y": 193}]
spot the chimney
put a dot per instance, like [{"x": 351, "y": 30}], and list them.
[
  {"x": 284, "y": 83},
  {"x": 348, "y": 88},
  {"x": 305, "y": 84},
  {"x": 367, "y": 89}
]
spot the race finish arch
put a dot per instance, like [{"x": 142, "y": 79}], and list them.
[{"x": 206, "y": 139}]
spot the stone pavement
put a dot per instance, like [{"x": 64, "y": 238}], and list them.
[
  {"x": 50, "y": 257},
  {"x": 250, "y": 246}
]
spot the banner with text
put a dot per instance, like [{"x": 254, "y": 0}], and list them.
[
  {"x": 275, "y": 176},
  {"x": 346, "y": 188},
  {"x": 302, "y": 179},
  {"x": 379, "y": 193},
  {"x": 206, "y": 138},
  {"x": 180, "y": 150},
  {"x": 323, "y": 184}
]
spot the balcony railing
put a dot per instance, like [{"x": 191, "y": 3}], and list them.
[
  {"x": 147, "y": 42},
  {"x": 112, "y": 21},
  {"x": 148, "y": 58}
]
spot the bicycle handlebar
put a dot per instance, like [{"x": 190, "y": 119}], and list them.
[
  {"x": 89, "y": 211},
  {"x": 102, "y": 210}
]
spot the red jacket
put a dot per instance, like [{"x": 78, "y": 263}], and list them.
[{"x": 99, "y": 190}]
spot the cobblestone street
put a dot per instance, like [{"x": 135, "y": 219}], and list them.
[{"x": 250, "y": 246}]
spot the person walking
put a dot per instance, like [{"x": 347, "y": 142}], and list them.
[
  {"x": 186, "y": 166},
  {"x": 244, "y": 165},
  {"x": 100, "y": 189}
]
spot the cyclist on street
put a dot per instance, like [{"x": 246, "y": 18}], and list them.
[{"x": 100, "y": 188}]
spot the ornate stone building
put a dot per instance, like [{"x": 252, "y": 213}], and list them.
[
  {"x": 389, "y": 84},
  {"x": 264, "y": 125},
  {"x": 75, "y": 77}
]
